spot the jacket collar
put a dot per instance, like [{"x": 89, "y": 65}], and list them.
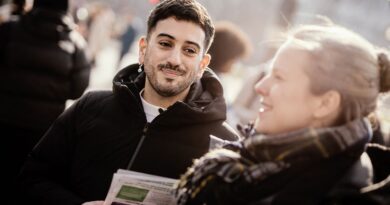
[{"x": 204, "y": 102}]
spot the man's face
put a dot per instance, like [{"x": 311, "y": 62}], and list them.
[{"x": 173, "y": 56}]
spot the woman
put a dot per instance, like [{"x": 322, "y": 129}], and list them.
[{"x": 311, "y": 130}]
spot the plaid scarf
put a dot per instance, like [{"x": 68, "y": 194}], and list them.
[{"x": 258, "y": 157}]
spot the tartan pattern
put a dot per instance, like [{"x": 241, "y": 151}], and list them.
[
  {"x": 308, "y": 143},
  {"x": 257, "y": 157}
]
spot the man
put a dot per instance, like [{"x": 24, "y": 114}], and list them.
[{"x": 158, "y": 118}]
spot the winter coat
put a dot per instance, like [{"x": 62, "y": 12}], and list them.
[
  {"x": 99, "y": 134},
  {"x": 42, "y": 64}
]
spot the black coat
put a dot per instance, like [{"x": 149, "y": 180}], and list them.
[
  {"x": 86, "y": 145},
  {"x": 42, "y": 64}
]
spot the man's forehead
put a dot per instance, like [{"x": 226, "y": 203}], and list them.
[{"x": 180, "y": 30}]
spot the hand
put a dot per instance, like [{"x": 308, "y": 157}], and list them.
[{"x": 93, "y": 203}]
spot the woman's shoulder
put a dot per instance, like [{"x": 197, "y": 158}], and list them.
[{"x": 368, "y": 181}]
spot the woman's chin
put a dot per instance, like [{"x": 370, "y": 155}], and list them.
[{"x": 260, "y": 127}]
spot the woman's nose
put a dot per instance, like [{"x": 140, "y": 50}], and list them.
[{"x": 261, "y": 86}]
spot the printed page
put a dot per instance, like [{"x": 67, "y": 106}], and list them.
[{"x": 135, "y": 188}]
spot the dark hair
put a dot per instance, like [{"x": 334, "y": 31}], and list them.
[
  {"x": 187, "y": 10},
  {"x": 230, "y": 43}
]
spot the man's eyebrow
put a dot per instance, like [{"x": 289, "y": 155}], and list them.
[
  {"x": 165, "y": 35},
  {"x": 173, "y": 38}
]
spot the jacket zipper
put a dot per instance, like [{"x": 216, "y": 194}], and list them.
[{"x": 139, "y": 145}]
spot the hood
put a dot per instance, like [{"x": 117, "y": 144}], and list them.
[
  {"x": 48, "y": 24},
  {"x": 203, "y": 104},
  {"x": 57, "y": 5}
]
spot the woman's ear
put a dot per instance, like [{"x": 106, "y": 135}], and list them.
[
  {"x": 142, "y": 44},
  {"x": 328, "y": 106}
]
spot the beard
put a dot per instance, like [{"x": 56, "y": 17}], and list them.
[{"x": 168, "y": 89}]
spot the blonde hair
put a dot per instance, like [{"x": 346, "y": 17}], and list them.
[{"x": 343, "y": 61}]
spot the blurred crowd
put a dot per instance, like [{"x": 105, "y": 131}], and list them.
[{"x": 111, "y": 28}]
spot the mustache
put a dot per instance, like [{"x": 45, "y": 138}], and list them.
[{"x": 171, "y": 67}]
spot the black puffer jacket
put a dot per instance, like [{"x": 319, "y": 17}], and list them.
[
  {"x": 42, "y": 63},
  {"x": 86, "y": 145}
]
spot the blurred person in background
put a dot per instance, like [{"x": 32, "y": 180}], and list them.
[
  {"x": 13, "y": 9},
  {"x": 158, "y": 118},
  {"x": 127, "y": 37},
  {"x": 246, "y": 100},
  {"x": 100, "y": 26},
  {"x": 10, "y": 9},
  {"x": 230, "y": 46},
  {"x": 43, "y": 64},
  {"x": 309, "y": 144},
  {"x": 5, "y": 10}
]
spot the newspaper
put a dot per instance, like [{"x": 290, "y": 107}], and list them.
[{"x": 135, "y": 188}]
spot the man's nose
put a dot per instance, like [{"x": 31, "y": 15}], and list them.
[{"x": 174, "y": 57}]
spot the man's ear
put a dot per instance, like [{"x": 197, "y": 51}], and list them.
[
  {"x": 203, "y": 64},
  {"x": 328, "y": 106},
  {"x": 142, "y": 44}
]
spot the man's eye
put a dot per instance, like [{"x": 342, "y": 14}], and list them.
[
  {"x": 165, "y": 44},
  {"x": 190, "y": 51}
]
